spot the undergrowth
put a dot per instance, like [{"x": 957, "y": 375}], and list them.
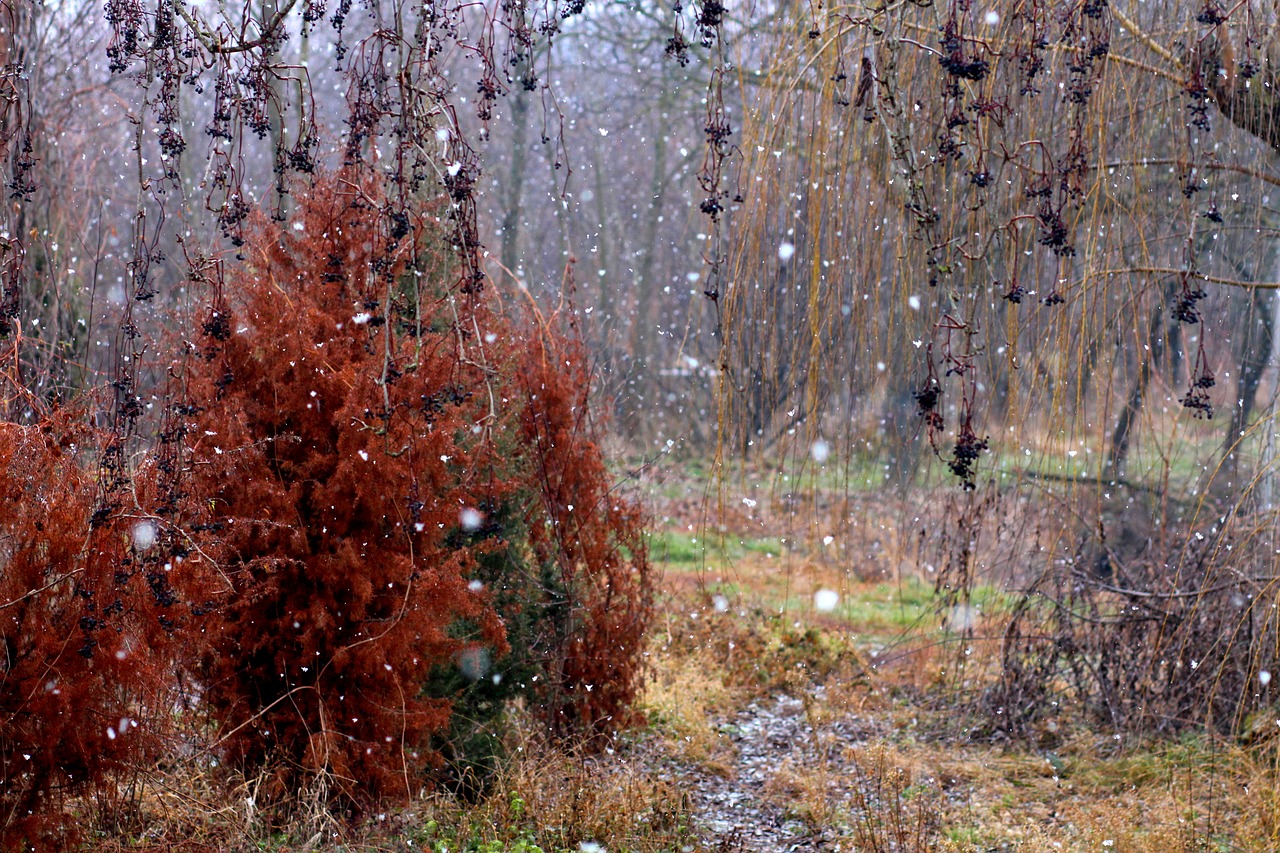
[{"x": 365, "y": 517}]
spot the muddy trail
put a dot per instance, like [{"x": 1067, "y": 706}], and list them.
[
  {"x": 778, "y": 767},
  {"x": 743, "y": 810}
]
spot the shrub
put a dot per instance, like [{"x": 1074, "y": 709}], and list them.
[
  {"x": 1183, "y": 633},
  {"x": 408, "y": 506},
  {"x": 93, "y": 616},
  {"x": 591, "y": 538}
]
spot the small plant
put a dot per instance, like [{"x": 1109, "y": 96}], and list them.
[{"x": 889, "y": 810}]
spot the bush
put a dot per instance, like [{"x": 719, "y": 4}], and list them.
[
  {"x": 590, "y": 540},
  {"x": 403, "y": 490},
  {"x": 1183, "y": 633},
  {"x": 93, "y": 619}
]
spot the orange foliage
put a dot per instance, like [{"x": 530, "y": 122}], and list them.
[
  {"x": 95, "y": 612},
  {"x": 595, "y": 539},
  {"x": 362, "y": 438}
]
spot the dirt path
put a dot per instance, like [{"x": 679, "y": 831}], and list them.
[
  {"x": 738, "y": 813},
  {"x": 752, "y": 808}
]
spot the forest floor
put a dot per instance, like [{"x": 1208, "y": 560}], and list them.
[
  {"x": 805, "y": 693},
  {"x": 808, "y": 693}
]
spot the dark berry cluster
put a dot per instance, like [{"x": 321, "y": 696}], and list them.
[
  {"x": 710, "y": 16},
  {"x": 678, "y": 49},
  {"x": 1053, "y": 230},
  {"x": 1185, "y": 310},
  {"x": 927, "y": 399},
  {"x": 1212, "y": 14},
  {"x": 1198, "y": 103},
  {"x": 965, "y": 454},
  {"x": 956, "y": 61},
  {"x": 1197, "y": 399},
  {"x": 1015, "y": 293},
  {"x": 218, "y": 326}
]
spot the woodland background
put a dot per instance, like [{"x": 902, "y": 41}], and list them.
[{"x": 974, "y": 296}]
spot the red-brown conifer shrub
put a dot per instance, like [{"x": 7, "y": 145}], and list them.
[
  {"x": 361, "y": 444},
  {"x": 594, "y": 540},
  {"x": 94, "y": 616}
]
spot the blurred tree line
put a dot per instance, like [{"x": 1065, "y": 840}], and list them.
[{"x": 1049, "y": 218}]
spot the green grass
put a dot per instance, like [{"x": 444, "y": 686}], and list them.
[
  {"x": 769, "y": 546},
  {"x": 1178, "y": 458},
  {"x": 666, "y": 546},
  {"x": 697, "y": 549},
  {"x": 879, "y": 610},
  {"x": 887, "y": 607},
  {"x": 464, "y": 839},
  {"x": 1182, "y": 761}
]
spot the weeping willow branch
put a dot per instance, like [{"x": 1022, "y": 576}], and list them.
[
  {"x": 1210, "y": 166},
  {"x": 1147, "y": 41},
  {"x": 1199, "y": 276}
]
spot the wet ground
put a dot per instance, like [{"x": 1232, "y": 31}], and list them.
[{"x": 753, "y": 804}]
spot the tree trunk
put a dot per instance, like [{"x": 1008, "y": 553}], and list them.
[
  {"x": 1267, "y": 464},
  {"x": 638, "y": 410},
  {"x": 1157, "y": 334},
  {"x": 1255, "y": 355},
  {"x": 1251, "y": 102},
  {"x": 513, "y": 200}
]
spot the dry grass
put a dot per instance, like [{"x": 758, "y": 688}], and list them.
[
  {"x": 546, "y": 798},
  {"x": 565, "y": 801},
  {"x": 897, "y": 762},
  {"x": 904, "y": 782},
  {"x": 885, "y": 653},
  {"x": 898, "y": 792},
  {"x": 682, "y": 699},
  {"x": 1154, "y": 797}
]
